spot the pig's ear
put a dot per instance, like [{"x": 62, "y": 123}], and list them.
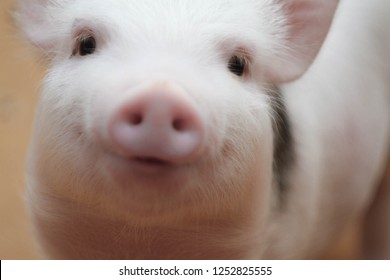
[
  {"x": 308, "y": 23},
  {"x": 33, "y": 19}
]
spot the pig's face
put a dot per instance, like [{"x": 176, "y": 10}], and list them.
[
  {"x": 154, "y": 107},
  {"x": 157, "y": 107}
]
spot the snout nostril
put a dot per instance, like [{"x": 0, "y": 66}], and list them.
[
  {"x": 178, "y": 125},
  {"x": 135, "y": 119}
]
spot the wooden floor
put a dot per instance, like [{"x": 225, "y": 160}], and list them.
[{"x": 19, "y": 85}]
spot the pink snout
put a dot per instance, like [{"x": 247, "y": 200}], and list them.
[{"x": 158, "y": 125}]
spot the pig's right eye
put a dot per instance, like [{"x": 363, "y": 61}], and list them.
[
  {"x": 85, "y": 45},
  {"x": 237, "y": 65}
]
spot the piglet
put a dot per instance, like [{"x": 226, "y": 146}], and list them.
[{"x": 209, "y": 129}]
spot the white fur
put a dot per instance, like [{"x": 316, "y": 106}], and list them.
[{"x": 224, "y": 204}]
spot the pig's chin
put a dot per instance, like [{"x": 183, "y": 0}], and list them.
[
  {"x": 147, "y": 187},
  {"x": 144, "y": 178}
]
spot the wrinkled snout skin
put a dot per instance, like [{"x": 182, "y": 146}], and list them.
[{"x": 190, "y": 131}]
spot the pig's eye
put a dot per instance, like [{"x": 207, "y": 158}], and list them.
[
  {"x": 237, "y": 65},
  {"x": 86, "y": 45}
]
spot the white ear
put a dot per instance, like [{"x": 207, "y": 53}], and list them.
[
  {"x": 308, "y": 23},
  {"x": 35, "y": 21}
]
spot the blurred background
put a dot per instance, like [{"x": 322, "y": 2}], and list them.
[
  {"x": 20, "y": 76},
  {"x": 19, "y": 86}
]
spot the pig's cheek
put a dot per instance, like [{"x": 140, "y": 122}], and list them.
[{"x": 96, "y": 119}]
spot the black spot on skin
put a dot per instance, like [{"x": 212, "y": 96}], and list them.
[{"x": 284, "y": 153}]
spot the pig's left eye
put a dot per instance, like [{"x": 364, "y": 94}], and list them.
[
  {"x": 237, "y": 65},
  {"x": 85, "y": 45}
]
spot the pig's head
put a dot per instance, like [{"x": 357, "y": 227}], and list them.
[{"x": 163, "y": 109}]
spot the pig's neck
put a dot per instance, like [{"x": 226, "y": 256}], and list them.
[
  {"x": 98, "y": 239},
  {"x": 93, "y": 237}
]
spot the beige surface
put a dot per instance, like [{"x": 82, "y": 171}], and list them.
[
  {"x": 19, "y": 80},
  {"x": 18, "y": 94}
]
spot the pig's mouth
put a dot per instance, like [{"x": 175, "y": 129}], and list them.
[
  {"x": 151, "y": 161},
  {"x": 144, "y": 168}
]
